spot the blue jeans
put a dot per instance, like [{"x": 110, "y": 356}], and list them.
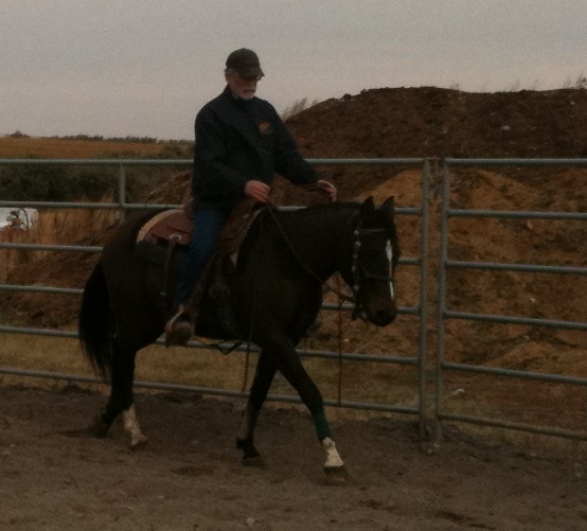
[{"x": 208, "y": 224}]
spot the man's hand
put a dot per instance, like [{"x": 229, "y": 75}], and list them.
[
  {"x": 257, "y": 190},
  {"x": 327, "y": 189}
]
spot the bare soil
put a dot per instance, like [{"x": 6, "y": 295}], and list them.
[{"x": 189, "y": 476}]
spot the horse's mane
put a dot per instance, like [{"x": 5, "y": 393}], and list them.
[
  {"x": 318, "y": 211},
  {"x": 336, "y": 207}
]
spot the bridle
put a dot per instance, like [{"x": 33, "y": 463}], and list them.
[{"x": 358, "y": 269}]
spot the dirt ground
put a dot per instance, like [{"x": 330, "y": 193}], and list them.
[{"x": 188, "y": 477}]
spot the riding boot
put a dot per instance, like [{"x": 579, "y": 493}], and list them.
[{"x": 179, "y": 329}]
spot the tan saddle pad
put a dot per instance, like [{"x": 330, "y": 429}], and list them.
[
  {"x": 176, "y": 226},
  {"x": 167, "y": 226}
]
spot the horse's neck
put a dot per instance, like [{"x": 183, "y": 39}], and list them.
[{"x": 316, "y": 233}]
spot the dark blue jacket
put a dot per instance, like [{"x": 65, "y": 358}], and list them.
[{"x": 238, "y": 141}]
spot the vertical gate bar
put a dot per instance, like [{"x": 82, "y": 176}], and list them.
[
  {"x": 121, "y": 192},
  {"x": 423, "y": 309},
  {"x": 441, "y": 305}
]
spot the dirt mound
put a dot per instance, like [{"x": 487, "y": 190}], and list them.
[{"x": 433, "y": 122}]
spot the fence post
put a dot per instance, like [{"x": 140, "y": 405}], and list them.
[
  {"x": 441, "y": 304},
  {"x": 423, "y": 310},
  {"x": 121, "y": 192}
]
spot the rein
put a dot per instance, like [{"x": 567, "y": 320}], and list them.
[
  {"x": 301, "y": 262},
  {"x": 357, "y": 269}
]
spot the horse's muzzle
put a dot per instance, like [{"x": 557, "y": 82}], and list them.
[{"x": 383, "y": 317}]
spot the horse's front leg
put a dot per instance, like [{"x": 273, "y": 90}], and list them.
[
  {"x": 333, "y": 465},
  {"x": 292, "y": 369},
  {"x": 264, "y": 374}
]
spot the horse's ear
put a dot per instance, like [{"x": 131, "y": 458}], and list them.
[
  {"x": 389, "y": 203},
  {"x": 367, "y": 206},
  {"x": 388, "y": 209}
]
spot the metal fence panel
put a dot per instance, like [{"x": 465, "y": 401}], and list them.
[
  {"x": 445, "y": 314},
  {"x": 440, "y": 308},
  {"x": 419, "y": 312}
]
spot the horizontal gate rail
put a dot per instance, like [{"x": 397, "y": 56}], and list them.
[
  {"x": 324, "y": 354},
  {"x": 522, "y": 268},
  {"x": 519, "y": 426},
  {"x": 165, "y": 386},
  {"x": 553, "y": 378},
  {"x": 40, "y": 289},
  {"x": 449, "y": 161},
  {"x": 525, "y": 214},
  {"x": 35, "y": 247},
  {"x": 527, "y": 321}
]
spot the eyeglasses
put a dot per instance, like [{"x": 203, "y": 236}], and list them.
[{"x": 251, "y": 78}]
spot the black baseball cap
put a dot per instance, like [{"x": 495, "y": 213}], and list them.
[{"x": 245, "y": 63}]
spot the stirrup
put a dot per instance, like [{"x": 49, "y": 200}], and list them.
[{"x": 179, "y": 329}]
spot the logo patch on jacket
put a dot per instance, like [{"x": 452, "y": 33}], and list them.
[{"x": 265, "y": 128}]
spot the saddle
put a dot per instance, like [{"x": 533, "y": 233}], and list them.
[
  {"x": 174, "y": 227},
  {"x": 160, "y": 234},
  {"x": 169, "y": 226}
]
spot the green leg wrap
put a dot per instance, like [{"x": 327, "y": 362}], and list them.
[{"x": 321, "y": 425}]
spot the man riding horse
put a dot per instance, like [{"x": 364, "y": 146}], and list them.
[{"x": 240, "y": 142}]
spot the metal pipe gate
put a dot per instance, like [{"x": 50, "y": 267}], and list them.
[
  {"x": 431, "y": 407},
  {"x": 446, "y": 314},
  {"x": 417, "y": 361}
]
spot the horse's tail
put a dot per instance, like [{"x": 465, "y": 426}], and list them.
[{"x": 95, "y": 323}]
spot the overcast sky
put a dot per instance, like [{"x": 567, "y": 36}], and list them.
[{"x": 145, "y": 67}]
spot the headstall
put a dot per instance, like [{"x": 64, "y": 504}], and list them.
[{"x": 358, "y": 269}]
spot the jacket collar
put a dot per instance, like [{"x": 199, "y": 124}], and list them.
[{"x": 238, "y": 102}]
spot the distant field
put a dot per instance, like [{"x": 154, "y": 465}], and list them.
[{"x": 61, "y": 148}]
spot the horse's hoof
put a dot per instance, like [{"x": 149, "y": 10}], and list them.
[
  {"x": 336, "y": 475},
  {"x": 254, "y": 461},
  {"x": 251, "y": 457},
  {"x": 138, "y": 442}
]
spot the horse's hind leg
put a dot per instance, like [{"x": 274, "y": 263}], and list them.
[
  {"x": 261, "y": 383},
  {"x": 121, "y": 398},
  {"x": 131, "y": 426}
]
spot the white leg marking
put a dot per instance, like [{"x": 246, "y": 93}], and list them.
[
  {"x": 389, "y": 252},
  {"x": 332, "y": 457},
  {"x": 131, "y": 426}
]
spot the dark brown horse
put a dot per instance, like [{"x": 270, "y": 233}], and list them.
[{"x": 273, "y": 295}]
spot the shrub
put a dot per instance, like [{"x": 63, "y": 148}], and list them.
[{"x": 32, "y": 182}]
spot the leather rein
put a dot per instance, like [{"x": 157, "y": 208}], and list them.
[{"x": 358, "y": 270}]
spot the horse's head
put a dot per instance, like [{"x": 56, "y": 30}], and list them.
[{"x": 370, "y": 260}]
